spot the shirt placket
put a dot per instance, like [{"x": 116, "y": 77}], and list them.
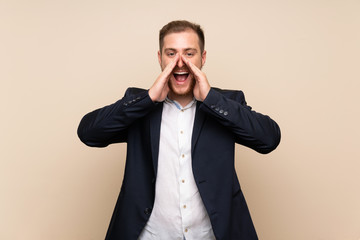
[{"x": 184, "y": 159}]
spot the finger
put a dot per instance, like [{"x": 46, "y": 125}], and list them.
[
  {"x": 188, "y": 64},
  {"x": 194, "y": 69},
  {"x": 168, "y": 69},
  {"x": 186, "y": 61},
  {"x": 165, "y": 75}
]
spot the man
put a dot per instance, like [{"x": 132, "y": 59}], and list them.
[{"x": 179, "y": 180}]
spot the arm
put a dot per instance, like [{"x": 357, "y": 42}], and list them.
[
  {"x": 109, "y": 124},
  {"x": 254, "y": 130},
  {"x": 250, "y": 128}
]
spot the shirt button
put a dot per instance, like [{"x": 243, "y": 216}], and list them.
[
  {"x": 183, "y": 156},
  {"x": 183, "y": 181},
  {"x": 186, "y": 230},
  {"x": 181, "y": 132},
  {"x": 184, "y": 206},
  {"x": 182, "y": 110}
]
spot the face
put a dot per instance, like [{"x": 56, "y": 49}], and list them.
[{"x": 181, "y": 82}]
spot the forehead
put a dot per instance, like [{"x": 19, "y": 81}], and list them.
[{"x": 182, "y": 40}]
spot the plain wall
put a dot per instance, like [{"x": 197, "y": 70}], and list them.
[{"x": 297, "y": 61}]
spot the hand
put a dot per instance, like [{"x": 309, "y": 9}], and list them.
[
  {"x": 160, "y": 88},
  {"x": 202, "y": 86}
]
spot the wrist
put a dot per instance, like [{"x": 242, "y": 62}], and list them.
[{"x": 151, "y": 95}]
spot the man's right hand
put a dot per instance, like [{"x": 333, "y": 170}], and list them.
[{"x": 160, "y": 88}]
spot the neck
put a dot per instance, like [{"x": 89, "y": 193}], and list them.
[{"x": 183, "y": 100}]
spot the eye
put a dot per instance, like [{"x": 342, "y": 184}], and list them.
[
  {"x": 189, "y": 54},
  {"x": 170, "y": 54}
]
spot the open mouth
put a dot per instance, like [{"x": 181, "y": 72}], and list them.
[{"x": 181, "y": 76}]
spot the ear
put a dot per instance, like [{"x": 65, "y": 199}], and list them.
[
  {"x": 203, "y": 58},
  {"x": 159, "y": 57}
]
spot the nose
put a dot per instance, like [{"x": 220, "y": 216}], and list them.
[{"x": 180, "y": 63}]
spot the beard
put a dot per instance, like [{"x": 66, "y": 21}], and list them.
[{"x": 187, "y": 92}]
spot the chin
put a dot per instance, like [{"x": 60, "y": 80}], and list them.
[{"x": 182, "y": 91}]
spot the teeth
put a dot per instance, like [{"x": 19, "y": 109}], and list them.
[{"x": 181, "y": 73}]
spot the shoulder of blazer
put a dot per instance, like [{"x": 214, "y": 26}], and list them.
[
  {"x": 236, "y": 95},
  {"x": 134, "y": 91}
]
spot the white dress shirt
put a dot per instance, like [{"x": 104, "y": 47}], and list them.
[{"x": 178, "y": 210}]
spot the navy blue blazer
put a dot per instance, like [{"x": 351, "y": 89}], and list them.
[{"x": 221, "y": 120}]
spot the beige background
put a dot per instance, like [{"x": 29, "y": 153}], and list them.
[{"x": 297, "y": 61}]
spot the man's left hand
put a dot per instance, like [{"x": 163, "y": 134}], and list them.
[{"x": 202, "y": 86}]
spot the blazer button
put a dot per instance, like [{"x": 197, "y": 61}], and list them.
[
  {"x": 221, "y": 111},
  {"x": 147, "y": 211}
]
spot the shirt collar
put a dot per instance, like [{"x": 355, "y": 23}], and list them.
[{"x": 178, "y": 105}]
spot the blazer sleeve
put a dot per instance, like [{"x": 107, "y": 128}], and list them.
[
  {"x": 109, "y": 124},
  {"x": 251, "y": 129}
]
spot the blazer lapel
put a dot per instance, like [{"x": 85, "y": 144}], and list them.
[
  {"x": 198, "y": 123},
  {"x": 155, "y": 123}
]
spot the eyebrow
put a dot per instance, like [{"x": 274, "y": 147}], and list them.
[{"x": 186, "y": 49}]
